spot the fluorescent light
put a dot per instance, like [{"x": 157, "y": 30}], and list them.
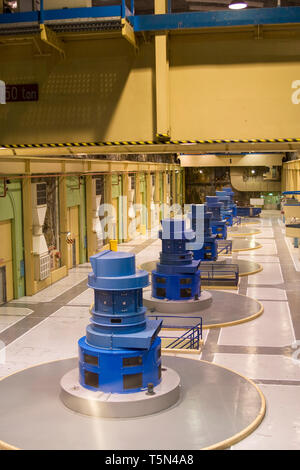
[{"x": 237, "y": 5}]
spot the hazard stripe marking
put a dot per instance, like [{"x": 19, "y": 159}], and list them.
[{"x": 148, "y": 142}]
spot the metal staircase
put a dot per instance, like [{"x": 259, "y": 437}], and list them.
[{"x": 191, "y": 339}]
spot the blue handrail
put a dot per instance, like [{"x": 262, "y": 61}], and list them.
[
  {"x": 176, "y": 327},
  {"x": 120, "y": 10},
  {"x": 237, "y": 221},
  {"x": 227, "y": 273},
  {"x": 224, "y": 245},
  {"x": 194, "y": 335}
]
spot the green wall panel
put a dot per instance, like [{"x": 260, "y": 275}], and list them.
[{"x": 11, "y": 208}]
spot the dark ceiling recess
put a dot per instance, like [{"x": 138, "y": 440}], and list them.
[{"x": 147, "y": 6}]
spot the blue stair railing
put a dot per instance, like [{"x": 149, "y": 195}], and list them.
[
  {"x": 224, "y": 247},
  {"x": 177, "y": 326},
  {"x": 189, "y": 340},
  {"x": 237, "y": 220},
  {"x": 216, "y": 273}
]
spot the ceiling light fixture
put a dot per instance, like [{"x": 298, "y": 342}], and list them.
[{"x": 237, "y": 5}]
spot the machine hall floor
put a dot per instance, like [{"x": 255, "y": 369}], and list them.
[{"x": 46, "y": 327}]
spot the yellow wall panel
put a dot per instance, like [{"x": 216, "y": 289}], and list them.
[
  {"x": 221, "y": 87},
  {"x": 102, "y": 91},
  {"x": 232, "y": 89}
]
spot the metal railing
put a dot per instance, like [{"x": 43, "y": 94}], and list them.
[
  {"x": 218, "y": 273},
  {"x": 158, "y": 316},
  {"x": 224, "y": 247},
  {"x": 121, "y": 8},
  {"x": 236, "y": 220},
  {"x": 189, "y": 340}
]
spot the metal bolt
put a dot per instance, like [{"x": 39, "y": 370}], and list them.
[{"x": 150, "y": 389}]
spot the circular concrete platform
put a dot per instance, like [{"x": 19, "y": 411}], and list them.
[
  {"x": 226, "y": 309},
  {"x": 182, "y": 306},
  {"x": 217, "y": 409},
  {"x": 120, "y": 405},
  {"x": 238, "y": 231},
  {"x": 246, "y": 267},
  {"x": 244, "y": 244}
]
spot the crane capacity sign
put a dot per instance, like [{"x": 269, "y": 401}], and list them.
[{"x": 28, "y": 92}]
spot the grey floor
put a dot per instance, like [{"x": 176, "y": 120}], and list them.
[
  {"x": 225, "y": 308},
  {"x": 46, "y": 327},
  {"x": 215, "y": 405}
]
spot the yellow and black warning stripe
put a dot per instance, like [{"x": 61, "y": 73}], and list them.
[{"x": 163, "y": 139}]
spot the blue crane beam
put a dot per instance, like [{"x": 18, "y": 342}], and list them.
[
  {"x": 166, "y": 22},
  {"x": 208, "y": 19}
]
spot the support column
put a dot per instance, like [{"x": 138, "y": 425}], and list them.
[
  {"x": 28, "y": 244},
  {"x": 162, "y": 76},
  {"x": 108, "y": 201},
  {"x": 138, "y": 200},
  {"x": 183, "y": 185},
  {"x": 125, "y": 194},
  {"x": 165, "y": 185},
  {"x": 91, "y": 238},
  {"x": 157, "y": 197},
  {"x": 174, "y": 195},
  {"x": 149, "y": 191},
  {"x": 63, "y": 218}
]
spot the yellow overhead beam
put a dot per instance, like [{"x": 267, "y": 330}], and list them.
[
  {"x": 128, "y": 33},
  {"x": 49, "y": 37}
]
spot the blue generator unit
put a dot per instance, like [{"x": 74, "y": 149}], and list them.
[
  {"x": 218, "y": 225},
  {"x": 206, "y": 250},
  {"x": 233, "y": 205},
  {"x": 121, "y": 352},
  {"x": 226, "y": 210},
  {"x": 176, "y": 276}
]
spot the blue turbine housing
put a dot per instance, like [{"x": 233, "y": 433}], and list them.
[
  {"x": 226, "y": 210},
  {"x": 208, "y": 249},
  {"x": 218, "y": 224},
  {"x": 121, "y": 350},
  {"x": 176, "y": 276},
  {"x": 230, "y": 193}
]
